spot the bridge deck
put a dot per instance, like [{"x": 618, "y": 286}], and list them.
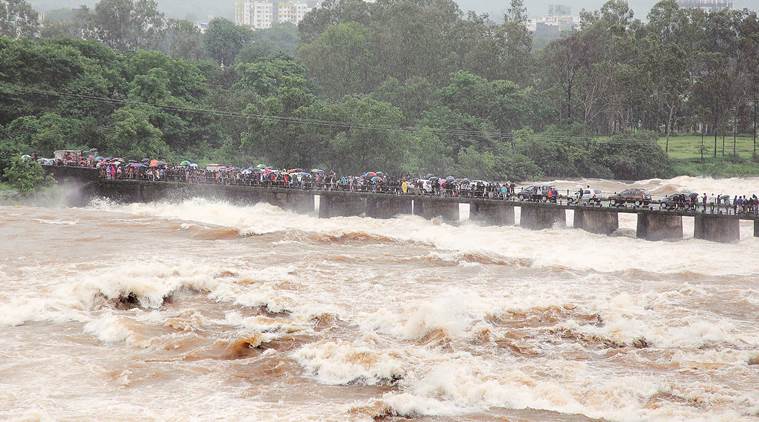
[{"x": 562, "y": 204}]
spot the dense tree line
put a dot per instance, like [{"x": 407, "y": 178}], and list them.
[{"x": 398, "y": 85}]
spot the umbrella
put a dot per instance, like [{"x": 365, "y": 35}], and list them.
[
  {"x": 26, "y": 157},
  {"x": 184, "y": 163},
  {"x": 261, "y": 166},
  {"x": 193, "y": 165},
  {"x": 99, "y": 158},
  {"x": 146, "y": 161},
  {"x": 153, "y": 163},
  {"x": 317, "y": 171},
  {"x": 370, "y": 174}
]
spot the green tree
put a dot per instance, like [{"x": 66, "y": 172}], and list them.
[
  {"x": 25, "y": 175},
  {"x": 413, "y": 97},
  {"x": 340, "y": 60},
  {"x": 667, "y": 61},
  {"x": 18, "y": 19},
  {"x": 131, "y": 135},
  {"x": 184, "y": 40},
  {"x": 502, "y": 103},
  {"x": 427, "y": 154},
  {"x": 516, "y": 57},
  {"x": 224, "y": 40},
  {"x": 633, "y": 157},
  {"x": 46, "y": 133},
  {"x": 128, "y": 24},
  {"x": 70, "y": 23},
  {"x": 279, "y": 40}
]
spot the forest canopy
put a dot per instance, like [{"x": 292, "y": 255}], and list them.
[{"x": 413, "y": 86}]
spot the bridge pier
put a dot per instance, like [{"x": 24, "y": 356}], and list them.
[
  {"x": 597, "y": 221},
  {"x": 541, "y": 217},
  {"x": 717, "y": 228},
  {"x": 387, "y": 206},
  {"x": 340, "y": 205},
  {"x": 756, "y": 228},
  {"x": 657, "y": 227},
  {"x": 491, "y": 214},
  {"x": 431, "y": 208},
  {"x": 300, "y": 202}
]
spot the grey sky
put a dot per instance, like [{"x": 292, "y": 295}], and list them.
[{"x": 202, "y": 9}]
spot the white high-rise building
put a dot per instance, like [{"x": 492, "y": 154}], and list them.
[
  {"x": 255, "y": 14},
  {"x": 262, "y": 15},
  {"x": 706, "y": 5},
  {"x": 292, "y": 12}
]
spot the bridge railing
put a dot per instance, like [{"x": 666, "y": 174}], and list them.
[{"x": 456, "y": 192}]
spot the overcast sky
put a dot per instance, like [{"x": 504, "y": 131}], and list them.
[{"x": 202, "y": 9}]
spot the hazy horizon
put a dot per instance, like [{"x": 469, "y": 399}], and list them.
[{"x": 198, "y": 10}]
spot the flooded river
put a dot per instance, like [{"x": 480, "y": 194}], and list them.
[{"x": 206, "y": 310}]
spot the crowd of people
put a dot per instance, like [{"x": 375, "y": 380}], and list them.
[
  {"x": 297, "y": 178},
  {"x": 374, "y": 182}
]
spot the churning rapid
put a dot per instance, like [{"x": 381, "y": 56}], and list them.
[{"x": 206, "y": 310}]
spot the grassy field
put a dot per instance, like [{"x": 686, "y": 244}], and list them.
[
  {"x": 689, "y": 147},
  {"x": 685, "y": 152}
]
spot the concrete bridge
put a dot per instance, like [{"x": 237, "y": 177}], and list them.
[{"x": 654, "y": 225}]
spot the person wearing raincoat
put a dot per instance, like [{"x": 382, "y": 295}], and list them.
[{"x": 404, "y": 186}]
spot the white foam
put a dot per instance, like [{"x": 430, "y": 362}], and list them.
[
  {"x": 341, "y": 363},
  {"x": 559, "y": 247}
]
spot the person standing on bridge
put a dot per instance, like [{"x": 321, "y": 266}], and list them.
[{"x": 705, "y": 200}]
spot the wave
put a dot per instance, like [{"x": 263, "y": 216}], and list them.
[
  {"x": 211, "y": 233},
  {"x": 660, "y": 187},
  {"x": 512, "y": 246},
  {"x": 342, "y": 363}
]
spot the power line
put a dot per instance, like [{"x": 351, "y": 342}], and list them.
[{"x": 20, "y": 90}]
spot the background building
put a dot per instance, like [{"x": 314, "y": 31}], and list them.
[
  {"x": 558, "y": 20},
  {"x": 261, "y": 14},
  {"x": 708, "y": 5},
  {"x": 292, "y": 12}
]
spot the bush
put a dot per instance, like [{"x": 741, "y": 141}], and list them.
[
  {"x": 517, "y": 167},
  {"x": 25, "y": 175},
  {"x": 562, "y": 155},
  {"x": 632, "y": 158}
]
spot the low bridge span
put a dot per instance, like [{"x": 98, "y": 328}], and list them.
[{"x": 652, "y": 224}]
